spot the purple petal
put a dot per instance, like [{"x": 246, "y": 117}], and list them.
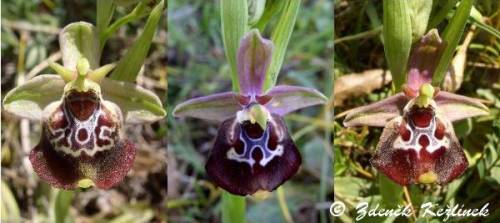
[
  {"x": 456, "y": 107},
  {"x": 378, "y": 113},
  {"x": 286, "y": 99},
  {"x": 424, "y": 58},
  {"x": 254, "y": 56},
  {"x": 217, "y": 107},
  {"x": 427, "y": 154},
  {"x": 246, "y": 158}
]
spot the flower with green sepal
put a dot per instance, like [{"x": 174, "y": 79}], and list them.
[
  {"x": 82, "y": 114},
  {"x": 253, "y": 150},
  {"x": 418, "y": 143}
]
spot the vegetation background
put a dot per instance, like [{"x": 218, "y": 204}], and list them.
[
  {"x": 29, "y": 37},
  {"x": 361, "y": 79},
  {"x": 197, "y": 66}
]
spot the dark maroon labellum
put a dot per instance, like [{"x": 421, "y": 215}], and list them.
[
  {"x": 246, "y": 158},
  {"x": 420, "y": 148}
]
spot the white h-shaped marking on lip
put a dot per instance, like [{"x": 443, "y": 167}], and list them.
[
  {"x": 88, "y": 125},
  {"x": 416, "y": 133},
  {"x": 259, "y": 143}
]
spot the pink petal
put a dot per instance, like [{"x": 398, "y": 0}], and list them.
[
  {"x": 286, "y": 99},
  {"x": 217, "y": 107},
  {"x": 378, "y": 113}
]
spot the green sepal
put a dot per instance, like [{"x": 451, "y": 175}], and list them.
[{"x": 29, "y": 99}]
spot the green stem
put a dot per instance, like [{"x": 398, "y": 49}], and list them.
[
  {"x": 284, "y": 207},
  {"x": 233, "y": 208}
]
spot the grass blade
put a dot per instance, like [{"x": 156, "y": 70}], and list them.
[
  {"x": 397, "y": 34},
  {"x": 234, "y": 19},
  {"x": 451, "y": 35},
  {"x": 280, "y": 37}
]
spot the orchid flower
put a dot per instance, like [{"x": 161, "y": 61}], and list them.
[
  {"x": 253, "y": 150},
  {"x": 418, "y": 143},
  {"x": 82, "y": 115}
]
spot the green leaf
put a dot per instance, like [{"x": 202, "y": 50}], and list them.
[
  {"x": 105, "y": 10},
  {"x": 9, "y": 207},
  {"x": 137, "y": 104},
  {"x": 77, "y": 40},
  {"x": 255, "y": 10},
  {"x": 234, "y": 19},
  {"x": 29, "y": 99},
  {"x": 440, "y": 15},
  {"x": 280, "y": 37},
  {"x": 420, "y": 11},
  {"x": 451, "y": 35},
  {"x": 129, "y": 65},
  {"x": 233, "y": 208},
  {"x": 390, "y": 191},
  {"x": 61, "y": 205},
  {"x": 397, "y": 33}
]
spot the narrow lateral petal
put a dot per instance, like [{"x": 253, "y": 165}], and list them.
[
  {"x": 218, "y": 107},
  {"x": 29, "y": 99},
  {"x": 138, "y": 105},
  {"x": 246, "y": 159},
  {"x": 378, "y": 113},
  {"x": 457, "y": 107},
  {"x": 254, "y": 56},
  {"x": 286, "y": 99}
]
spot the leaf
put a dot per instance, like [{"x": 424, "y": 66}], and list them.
[
  {"x": 78, "y": 40},
  {"x": 233, "y": 208},
  {"x": 105, "y": 10},
  {"x": 9, "y": 206},
  {"x": 391, "y": 192},
  {"x": 286, "y": 99},
  {"x": 420, "y": 11},
  {"x": 61, "y": 205},
  {"x": 129, "y": 65},
  {"x": 397, "y": 33},
  {"x": 217, "y": 107},
  {"x": 139, "y": 105},
  {"x": 280, "y": 37},
  {"x": 451, "y": 35},
  {"x": 378, "y": 113},
  {"x": 255, "y": 10},
  {"x": 234, "y": 18},
  {"x": 29, "y": 99},
  {"x": 457, "y": 107}
]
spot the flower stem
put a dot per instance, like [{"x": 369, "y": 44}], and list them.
[
  {"x": 233, "y": 208},
  {"x": 284, "y": 207}
]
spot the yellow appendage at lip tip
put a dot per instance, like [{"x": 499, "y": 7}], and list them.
[
  {"x": 427, "y": 178},
  {"x": 85, "y": 183}
]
